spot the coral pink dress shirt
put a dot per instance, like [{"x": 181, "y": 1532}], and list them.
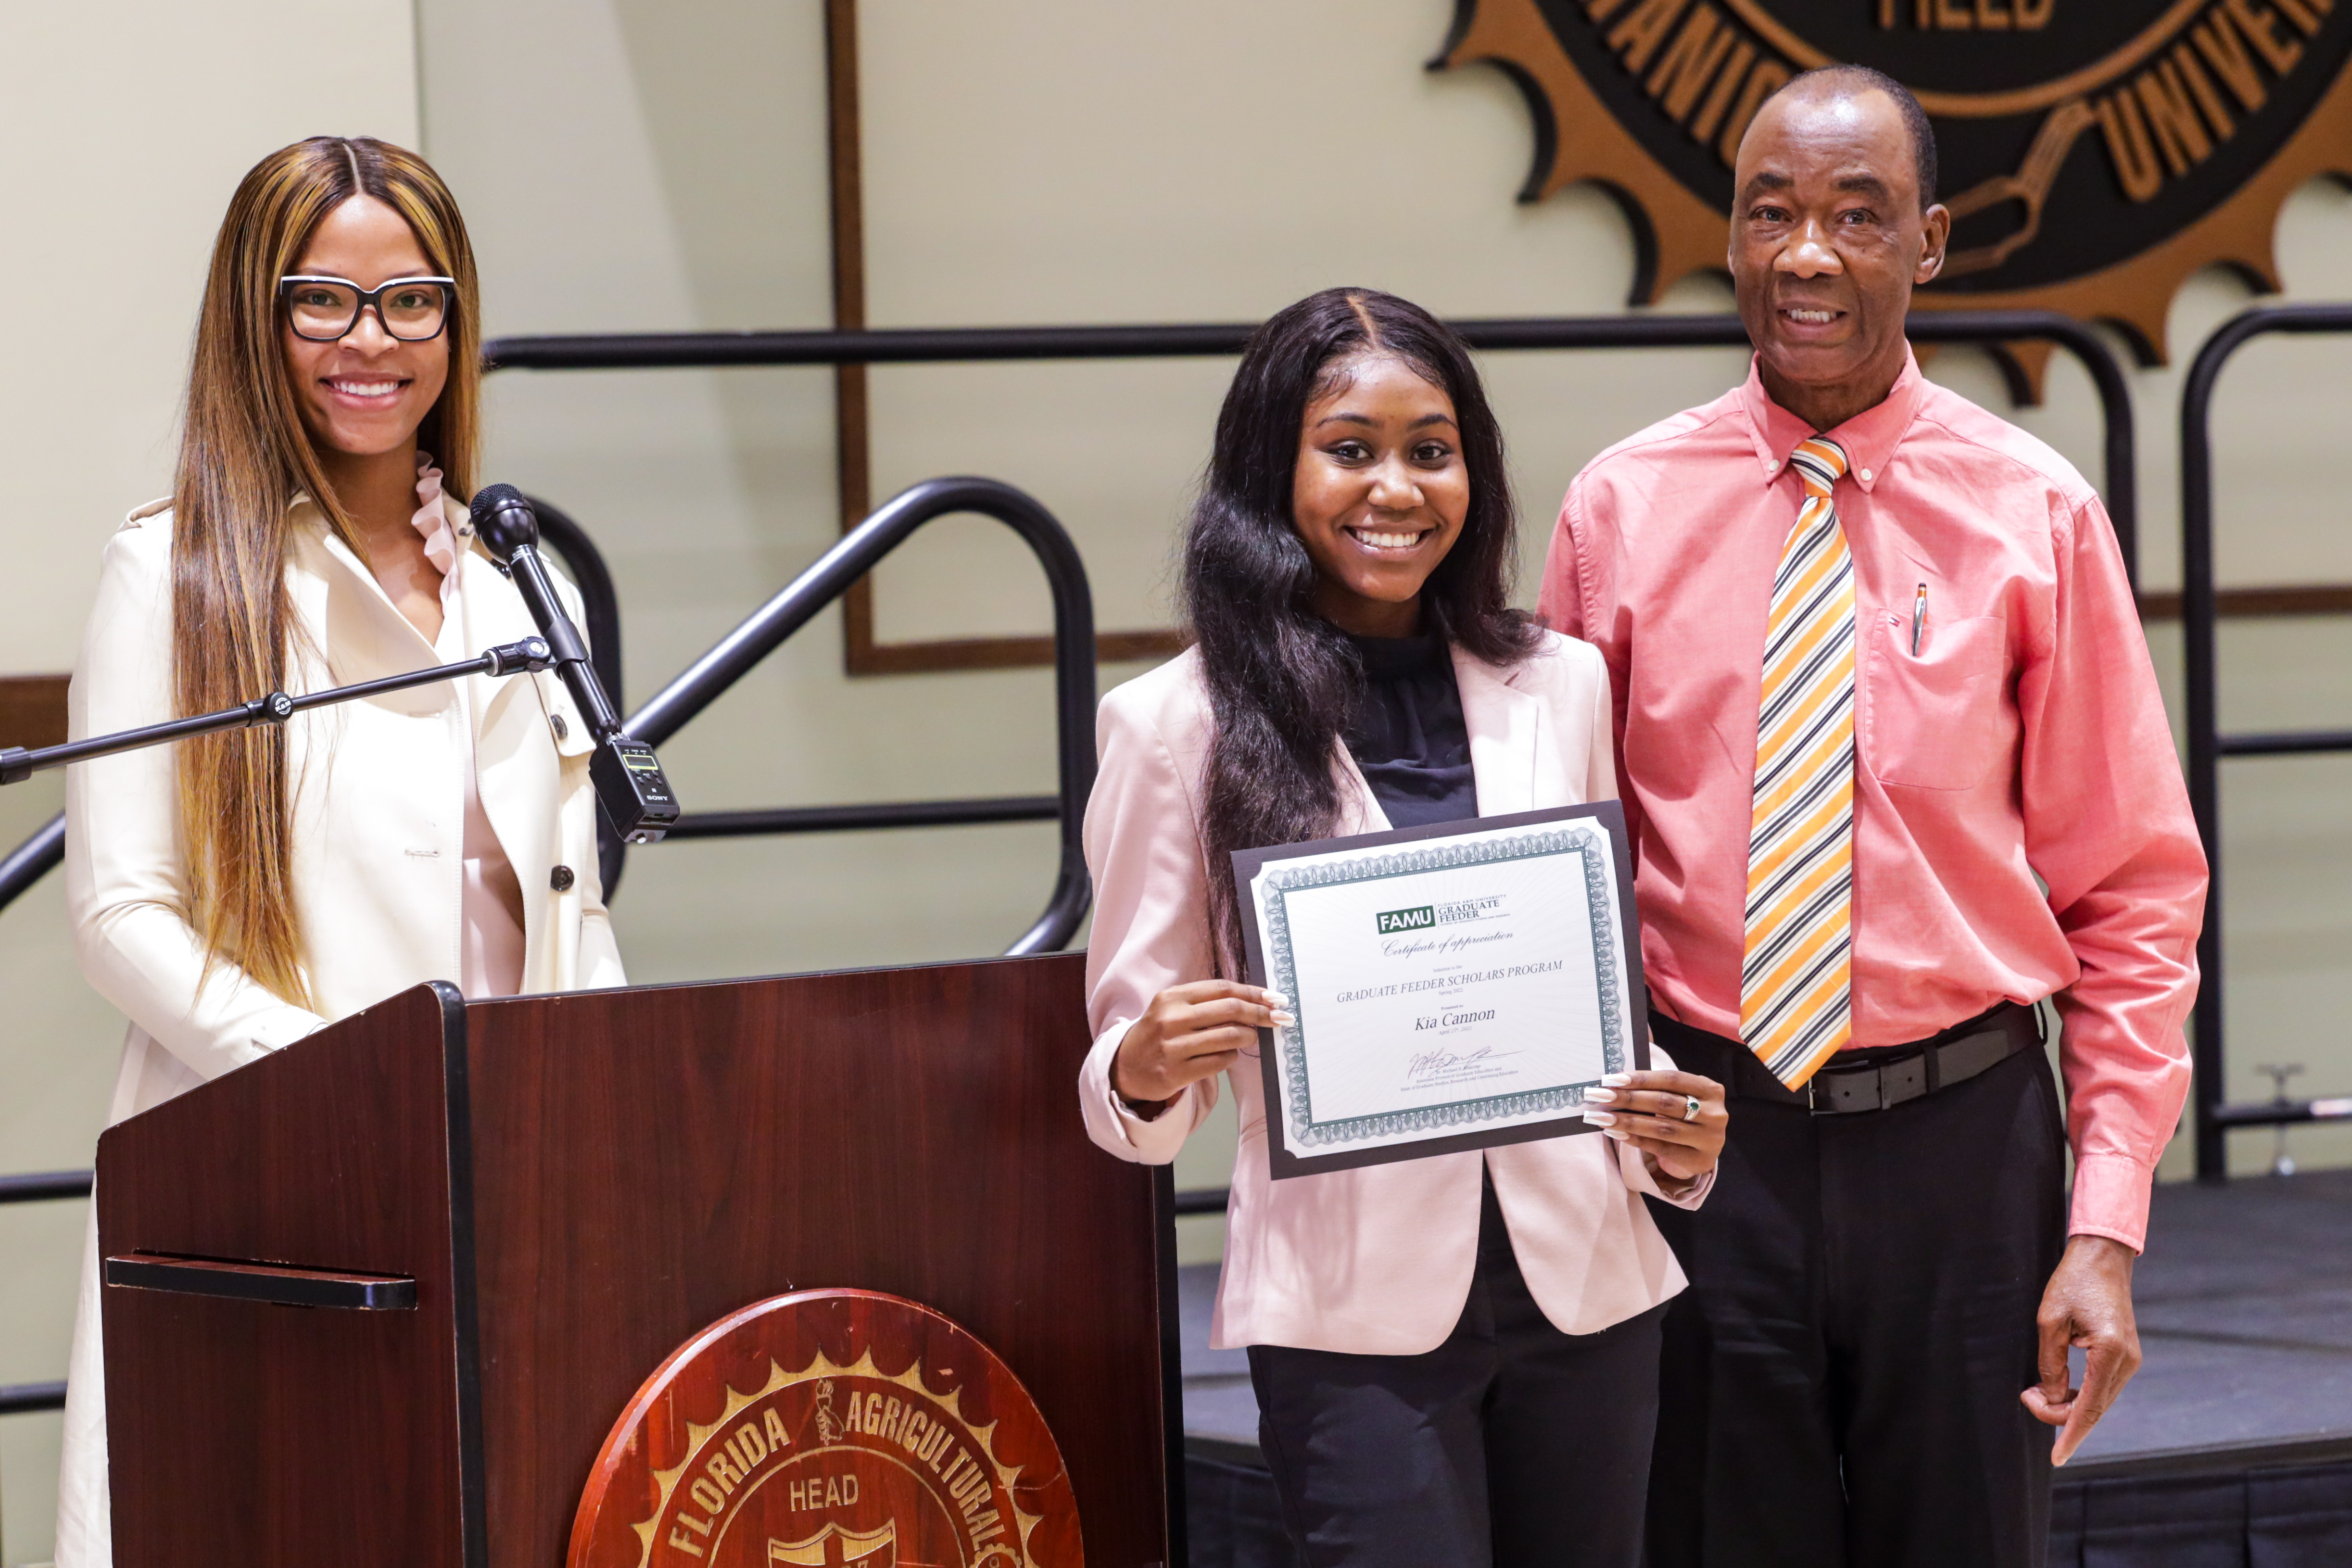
[{"x": 2025, "y": 739}]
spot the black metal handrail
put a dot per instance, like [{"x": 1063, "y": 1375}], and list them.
[
  {"x": 39, "y": 1186},
  {"x": 679, "y": 351},
  {"x": 710, "y": 676},
  {"x": 858, "y": 552},
  {"x": 45, "y": 1186},
  {"x": 42, "y": 852},
  {"x": 33, "y": 860},
  {"x": 888, "y": 814},
  {"x": 2206, "y": 744},
  {"x": 945, "y": 346},
  {"x": 1202, "y": 1200},
  {"x": 23, "y": 1398}
]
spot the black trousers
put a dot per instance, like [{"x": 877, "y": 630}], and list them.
[
  {"x": 1839, "y": 1386},
  {"x": 1511, "y": 1444}
]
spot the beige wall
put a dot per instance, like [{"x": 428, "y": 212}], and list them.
[
  {"x": 660, "y": 164},
  {"x": 127, "y": 128},
  {"x": 1070, "y": 162}
]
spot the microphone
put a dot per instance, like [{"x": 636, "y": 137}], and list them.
[{"x": 630, "y": 787}]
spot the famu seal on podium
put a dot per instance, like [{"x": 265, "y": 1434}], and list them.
[{"x": 829, "y": 1427}]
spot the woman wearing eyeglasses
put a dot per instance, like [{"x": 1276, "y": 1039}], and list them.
[{"x": 233, "y": 894}]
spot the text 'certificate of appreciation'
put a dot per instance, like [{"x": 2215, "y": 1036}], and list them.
[{"x": 1455, "y": 988}]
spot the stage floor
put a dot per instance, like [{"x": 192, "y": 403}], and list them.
[{"x": 2246, "y": 1316}]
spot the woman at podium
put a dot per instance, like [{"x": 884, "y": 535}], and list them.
[
  {"x": 232, "y": 894},
  {"x": 1456, "y": 1356}
]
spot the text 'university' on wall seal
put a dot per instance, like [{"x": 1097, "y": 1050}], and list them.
[{"x": 2095, "y": 153}]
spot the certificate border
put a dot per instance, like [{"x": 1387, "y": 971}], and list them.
[
  {"x": 1290, "y": 1156},
  {"x": 1578, "y": 839}
]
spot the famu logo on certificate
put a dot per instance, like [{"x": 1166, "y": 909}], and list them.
[{"x": 1455, "y": 988}]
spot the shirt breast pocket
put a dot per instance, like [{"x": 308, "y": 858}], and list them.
[{"x": 1937, "y": 721}]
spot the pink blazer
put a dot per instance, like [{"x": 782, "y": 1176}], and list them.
[{"x": 1376, "y": 1260}]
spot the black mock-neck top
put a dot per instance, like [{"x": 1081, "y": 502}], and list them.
[{"x": 1409, "y": 736}]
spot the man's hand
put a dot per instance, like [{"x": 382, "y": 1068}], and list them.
[
  {"x": 2087, "y": 1306},
  {"x": 1189, "y": 1032}
]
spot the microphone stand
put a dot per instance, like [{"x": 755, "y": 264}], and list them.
[
  {"x": 631, "y": 788},
  {"x": 17, "y": 765}
]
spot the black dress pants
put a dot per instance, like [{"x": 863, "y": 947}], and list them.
[
  {"x": 1511, "y": 1444},
  {"x": 1839, "y": 1388}
]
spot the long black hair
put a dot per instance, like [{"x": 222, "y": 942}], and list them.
[{"x": 1283, "y": 681}]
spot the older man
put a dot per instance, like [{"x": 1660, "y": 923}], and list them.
[{"x": 1878, "y": 669}]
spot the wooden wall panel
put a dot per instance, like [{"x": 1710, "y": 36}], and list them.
[{"x": 32, "y": 711}]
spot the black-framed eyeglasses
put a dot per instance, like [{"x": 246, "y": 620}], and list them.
[{"x": 323, "y": 310}]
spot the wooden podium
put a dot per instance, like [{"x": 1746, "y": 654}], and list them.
[{"x": 378, "y": 1299}]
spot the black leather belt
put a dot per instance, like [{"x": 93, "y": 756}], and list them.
[
  {"x": 1880, "y": 1077},
  {"x": 1914, "y": 1072}
]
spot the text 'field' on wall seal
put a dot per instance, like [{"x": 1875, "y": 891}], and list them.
[{"x": 2095, "y": 153}]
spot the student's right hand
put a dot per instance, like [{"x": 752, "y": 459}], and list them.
[{"x": 1189, "y": 1032}]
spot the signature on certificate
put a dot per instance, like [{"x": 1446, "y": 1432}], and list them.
[{"x": 1427, "y": 1067}]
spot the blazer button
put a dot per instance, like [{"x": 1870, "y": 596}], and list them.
[
  {"x": 561, "y": 729},
  {"x": 560, "y": 878}
]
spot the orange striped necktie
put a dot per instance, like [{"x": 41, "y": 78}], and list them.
[{"x": 1796, "y": 983}]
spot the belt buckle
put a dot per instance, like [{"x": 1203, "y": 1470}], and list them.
[
  {"x": 1821, "y": 1096},
  {"x": 1886, "y": 1085}
]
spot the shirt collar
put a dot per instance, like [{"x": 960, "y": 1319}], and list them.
[
  {"x": 447, "y": 529},
  {"x": 1869, "y": 437}
]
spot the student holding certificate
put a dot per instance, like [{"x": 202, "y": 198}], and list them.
[{"x": 1456, "y": 1356}]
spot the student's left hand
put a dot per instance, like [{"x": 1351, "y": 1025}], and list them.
[{"x": 1651, "y": 1110}]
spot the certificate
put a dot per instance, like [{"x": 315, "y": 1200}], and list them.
[{"x": 1455, "y": 988}]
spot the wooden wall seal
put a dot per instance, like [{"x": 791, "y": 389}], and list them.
[
  {"x": 2095, "y": 153},
  {"x": 829, "y": 1427}
]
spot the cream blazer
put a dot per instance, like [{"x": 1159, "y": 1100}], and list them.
[
  {"x": 1376, "y": 1260},
  {"x": 379, "y": 811}
]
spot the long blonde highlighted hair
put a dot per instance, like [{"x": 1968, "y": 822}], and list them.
[{"x": 244, "y": 455}]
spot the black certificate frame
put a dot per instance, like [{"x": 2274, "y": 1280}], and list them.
[{"x": 1286, "y": 1161}]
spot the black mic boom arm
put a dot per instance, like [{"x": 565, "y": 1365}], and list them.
[{"x": 17, "y": 765}]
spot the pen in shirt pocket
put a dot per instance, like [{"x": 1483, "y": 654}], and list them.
[{"x": 1919, "y": 618}]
